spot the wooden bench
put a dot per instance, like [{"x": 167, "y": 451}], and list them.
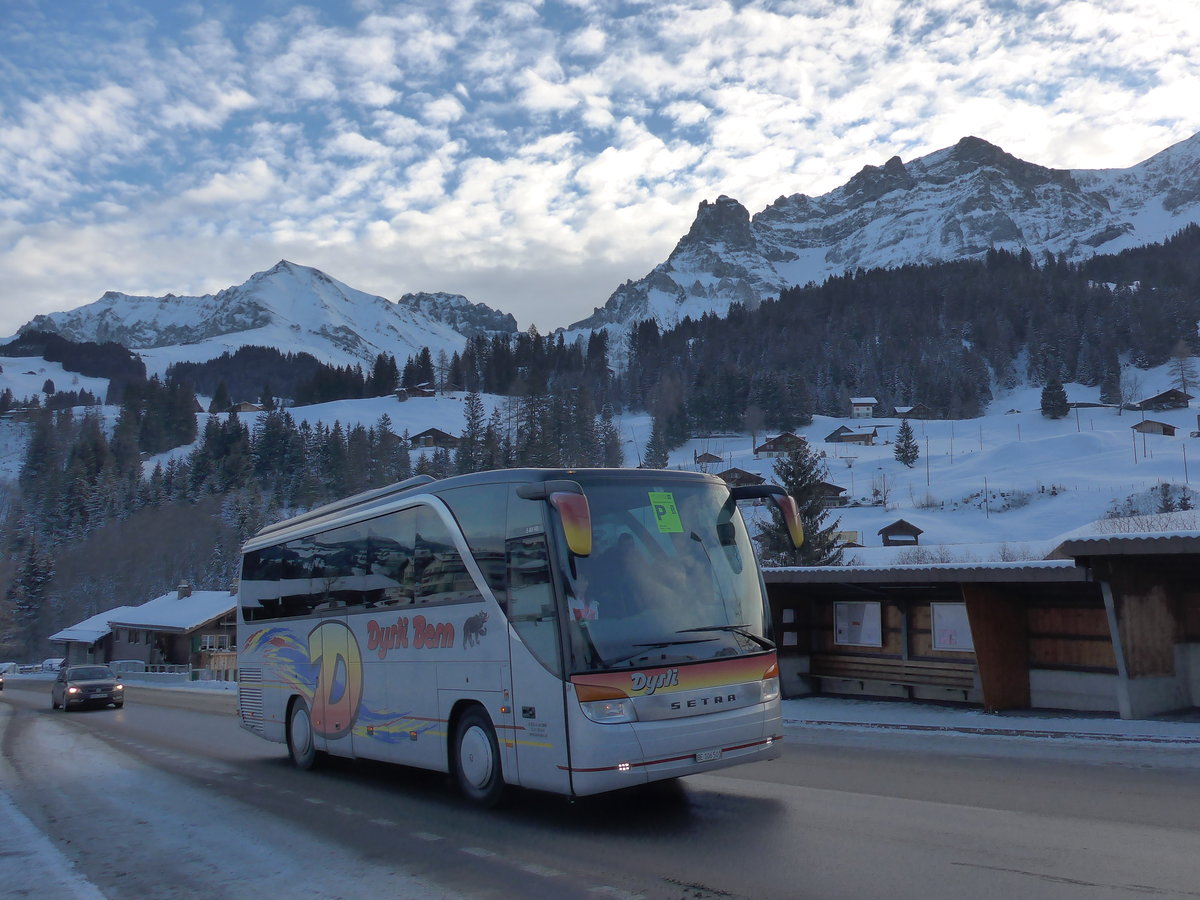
[{"x": 906, "y": 672}]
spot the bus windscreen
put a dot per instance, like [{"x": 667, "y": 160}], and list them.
[{"x": 671, "y": 578}]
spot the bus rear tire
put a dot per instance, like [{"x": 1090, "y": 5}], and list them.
[
  {"x": 301, "y": 745},
  {"x": 477, "y": 767}
]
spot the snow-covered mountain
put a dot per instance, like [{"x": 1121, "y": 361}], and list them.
[
  {"x": 955, "y": 203},
  {"x": 467, "y": 318},
  {"x": 292, "y": 307}
]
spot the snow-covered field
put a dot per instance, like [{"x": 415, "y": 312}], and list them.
[{"x": 1043, "y": 478}]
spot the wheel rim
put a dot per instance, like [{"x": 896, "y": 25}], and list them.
[
  {"x": 475, "y": 760},
  {"x": 301, "y": 733}
]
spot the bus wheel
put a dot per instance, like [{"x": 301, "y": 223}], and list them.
[
  {"x": 300, "y": 735},
  {"x": 477, "y": 758}
]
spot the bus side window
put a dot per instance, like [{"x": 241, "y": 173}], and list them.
[
  {"x": 259, "y": 586},
  {"x": 531, "y": 608},
  {"x": 295, "y": 569},
  {"x": 480, "y": 511},
  {"x": 392, "y": 539},
  {"x": 440, "y": 572}
]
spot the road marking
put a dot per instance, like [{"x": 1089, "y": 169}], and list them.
[
  {"x": 384, "y": 823},
  {"x": 426, "y": 836},
  {"x": 478, "y": 851},
  {"x": 544, "y": 871}
]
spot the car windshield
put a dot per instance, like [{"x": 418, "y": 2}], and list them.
[
  {"x": 87, "y": 673},
  {"x": 671, "y": 578}
]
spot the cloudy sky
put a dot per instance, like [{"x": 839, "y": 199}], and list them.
[{"x": 530, "y": 155}]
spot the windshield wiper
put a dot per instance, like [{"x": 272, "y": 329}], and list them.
[
  {"x": 657, "y": 645},
  {"x": 743, "y": 630}
]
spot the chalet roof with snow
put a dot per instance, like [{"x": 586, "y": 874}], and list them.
[
  {"x": 781, "y": 443},
  {"x": 708, "y": 458},
  {"x": 175, "y": 613},
  {"x": 434, "y": 437},
  {"x": 1169, "y": 399},
  {"x": 1149, "y": 426},
  {"x": 900, "y": 526},
  {"x": 91, "y": 629}
]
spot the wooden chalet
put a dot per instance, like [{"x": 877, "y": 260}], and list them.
[
  {"x": 179, "y": 628},
  {"x": 844, "y": 434},
  {"x": 830, "y": 494},
  {"x": 740, "y": 477},
  {"x": 434, "y": 438},
  {"x": 900, "y": 534},
  {"x": 862, "y": 407},
  {"x": 780, "y": 445},
  {"x": 1170, "y": 399},
  {"x": 916, "y": 411},
  {"x": 705, "y": 459},
  {"x": 1149, "y": 426}
]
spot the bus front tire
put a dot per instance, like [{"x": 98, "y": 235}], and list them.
[
  {"x": 301, "y": 746},
  {"x": 477, "y": 766}
]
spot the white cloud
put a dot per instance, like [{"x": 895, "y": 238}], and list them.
[
  {"x": 493, "y": 154},
  {"x": 248, "y": 182}
]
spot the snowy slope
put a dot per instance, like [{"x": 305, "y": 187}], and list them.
[
  {"x": 1045, "y": 478},
  {"x": 955, "y": 203},
  {"x": 292, "y": 307}
]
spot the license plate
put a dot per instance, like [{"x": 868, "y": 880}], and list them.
[{"x": 708, "y": 755}]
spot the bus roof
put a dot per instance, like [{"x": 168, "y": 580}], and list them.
[{"x": 426, "y": 484}]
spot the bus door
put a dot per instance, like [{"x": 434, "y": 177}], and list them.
[
  {"x": 540, "y": 736},
  {"x": 338, "y": 689}
]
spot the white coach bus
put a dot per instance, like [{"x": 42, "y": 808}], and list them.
[{"x": 574, "y": 631}]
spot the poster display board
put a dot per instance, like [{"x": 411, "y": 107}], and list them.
[
  {"x": 951, "y": 630},
  {"x": 858, "y": 624}
]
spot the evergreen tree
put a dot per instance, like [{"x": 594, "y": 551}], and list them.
[
  {"x": 610, "y": 439},
  {"x": 1054, "y": 400},
  {"x": 906, "y": 449},
  {"x": 656, "y": 456},
  {"x": 469, "y": 457},
  {"x": 24, "y": 601},
  {"x": 221, "y": 400},
  {"x": 799, "y": 472}
]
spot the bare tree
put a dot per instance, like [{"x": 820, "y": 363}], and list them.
[
  {"x": 1182, "y": 367},
  {"x": 1130, "y": 390}
]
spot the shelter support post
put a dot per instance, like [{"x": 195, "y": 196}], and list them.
[{"x": 998, "y": 631}]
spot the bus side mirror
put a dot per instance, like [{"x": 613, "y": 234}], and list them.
[
  {"x": 784, "y": 501},
  {"x": 568, "y": 499},
  {"x": 576, "y": 519},
  {"x": 791, "y": 516}
]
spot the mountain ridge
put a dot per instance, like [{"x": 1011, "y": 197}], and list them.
[
  {"x": 291, "y": 306},
  {"x": 954, "y": 203}
]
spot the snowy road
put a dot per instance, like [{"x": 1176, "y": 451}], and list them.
[{"x": 155, "y": 801}]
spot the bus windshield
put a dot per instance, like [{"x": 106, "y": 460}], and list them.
[{"x": 671, "y": 578}]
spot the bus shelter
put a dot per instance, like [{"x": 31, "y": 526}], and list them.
[{"x": 1110, "y": 625}]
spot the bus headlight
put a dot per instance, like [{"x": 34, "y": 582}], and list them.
[
  {"x": 609, "y": 712},
  {"x": 770, "y": 689}
]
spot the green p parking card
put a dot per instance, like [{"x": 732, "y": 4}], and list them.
[{"x": 666, "y": 514}]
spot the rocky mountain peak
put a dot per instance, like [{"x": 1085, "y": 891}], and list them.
[{"x": 724, "y": 221}]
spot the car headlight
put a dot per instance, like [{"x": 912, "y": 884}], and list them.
[
  {"x": 71, "y": 689},
  {"x": 118, "y": 687},
  {"x": 609, "y": 712},
  {"x": 770, "y": 689}
]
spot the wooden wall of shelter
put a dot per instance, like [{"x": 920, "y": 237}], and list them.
[
  {"x": 1054, "y": 625},
  {"x": 1113, "y": 625}
]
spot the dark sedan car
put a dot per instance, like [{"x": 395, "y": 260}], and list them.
[{"x": 86, "y": 685}]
